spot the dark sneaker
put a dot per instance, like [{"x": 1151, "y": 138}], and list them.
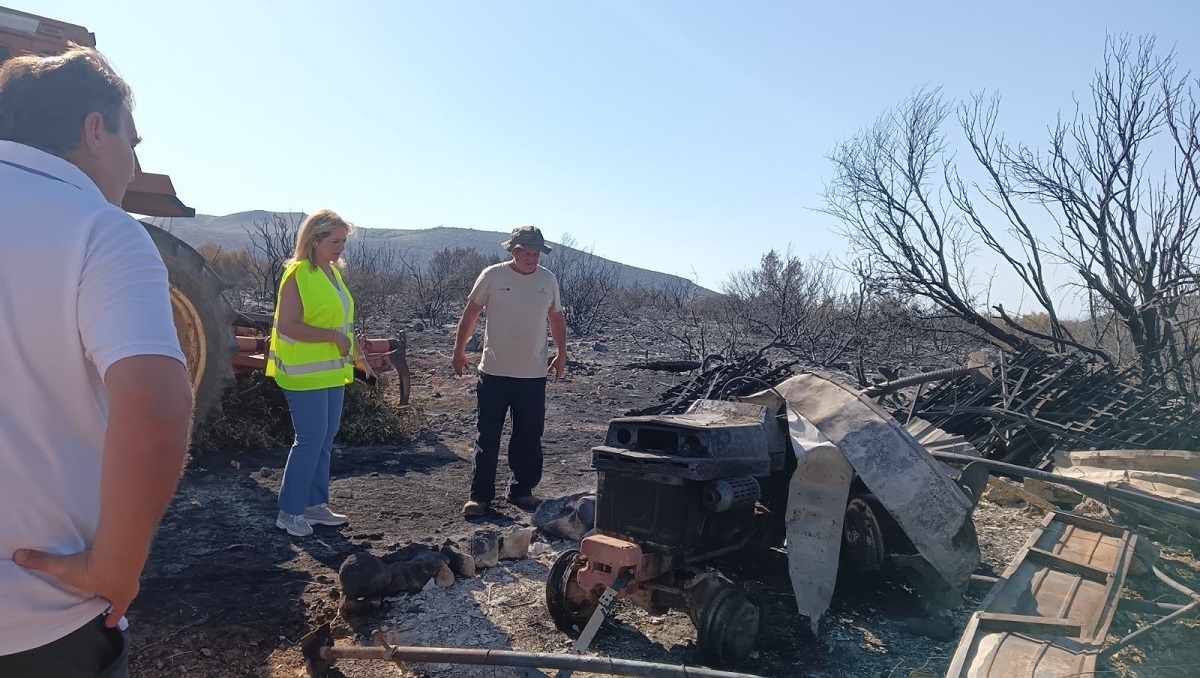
[
  {"x": 526, "y": 502},
  {"x": 474, "y": 509}
]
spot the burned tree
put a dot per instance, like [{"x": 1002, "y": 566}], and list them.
[
  {"x": 781, "y": 298},
  {"x": 376, "y": 276},
  {"x": 439, "y": 288},
  {"x": 236, "y": 270},
  {"x": 808, "y": 308},
  {"x": 1125, "y": 226},
  {"x": 674, "y": 293},
  {"x": 1129, "y": 234},
  {"x": 885, "y": 194},
  {"x": 272, "y": 241},
  {"x": 587, "y": 283}
]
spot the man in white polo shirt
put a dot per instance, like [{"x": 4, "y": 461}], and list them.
[
  {"x": 520, "y": 298},
  {"x": 95, "y": 406}
]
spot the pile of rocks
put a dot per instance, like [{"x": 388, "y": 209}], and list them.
[{"x": 367, "y": 579}]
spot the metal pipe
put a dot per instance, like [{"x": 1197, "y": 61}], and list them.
[
  {"x": 1086, "y": 487},
  {"x": 1147, "y": 606},
  {"x": 1186, "y": 610},
  {"x": 541, "y": 660},
  {"x": 913, "y": 380},
  {"x": 1162, "y": 576}
]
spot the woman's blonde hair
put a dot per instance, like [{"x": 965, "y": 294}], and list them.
[{"x": 315, "y": 228}]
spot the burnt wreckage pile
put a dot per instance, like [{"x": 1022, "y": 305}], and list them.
[
  {"x": 1038, "y": 402},
  {"x": 1035, "y": 403},
  {"x": 746, "y": 457},
  {"x": 867, "y": 485},
  {"x": 718, "y": 379}
]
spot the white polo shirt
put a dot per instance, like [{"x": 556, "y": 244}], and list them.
[{"x": 81, "y": 287}]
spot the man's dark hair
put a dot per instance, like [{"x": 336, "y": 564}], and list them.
[{"x": 45, "y": 99}]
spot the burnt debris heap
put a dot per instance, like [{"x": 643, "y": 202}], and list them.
[
  {"x": 718, "y": 379},
  {"x": 1035, "y": 403},
  {"x": 1040, "y": 402}
]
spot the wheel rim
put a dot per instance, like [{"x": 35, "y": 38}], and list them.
[
  {"x": 568, "y": 617},
  {"x": 729, "y": 625},
  {"x": 740, "y": 630},
  {"x": 192, "y": 341},
  {"x": 862, "y": 538}
]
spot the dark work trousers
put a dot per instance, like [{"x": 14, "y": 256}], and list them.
[
  {"x": 527, "y": 400},
  {"x": 92, "y": 651}
]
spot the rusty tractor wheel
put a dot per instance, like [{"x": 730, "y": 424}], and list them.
[
  {"x": 726, "y": 622},
  {"x": 563, "y": 596},
  {"x": 203, "y": 322}
]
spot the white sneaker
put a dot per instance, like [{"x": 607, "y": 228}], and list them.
[
  {"x": 321, "y": 515},
  {"x": 295, "y": 525}
]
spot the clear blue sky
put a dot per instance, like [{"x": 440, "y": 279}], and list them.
[{"x": 675, "y": 136}]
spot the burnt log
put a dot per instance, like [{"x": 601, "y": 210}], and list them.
[{"x": 665, "y": 365}]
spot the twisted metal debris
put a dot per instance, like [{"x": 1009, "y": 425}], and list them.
[
  {"x": 720, "y": 379},
  {"x": 1038, "y": 402}
]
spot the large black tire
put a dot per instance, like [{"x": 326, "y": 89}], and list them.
[
  {"x": 568, "y": 618},
  {"x": 203, "y": 321},
  {"x": 726, "y": 622}
]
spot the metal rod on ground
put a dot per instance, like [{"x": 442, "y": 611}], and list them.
[
  {"x": 1085, "y": 487},
  {"x": 1148, "y": 606},
  {"x": 1162, "y": 576},
  {"x": 541, "y": 660},
  {"x": 1185, "y": 611}
]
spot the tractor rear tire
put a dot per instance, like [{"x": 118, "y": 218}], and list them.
[{"x": 203, "y": 322}]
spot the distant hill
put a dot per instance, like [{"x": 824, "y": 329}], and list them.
[{"x": 419, "y": 245}]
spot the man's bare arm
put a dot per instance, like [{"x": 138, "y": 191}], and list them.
[
  {"x": 466, "y": 326},
  {"x": 558, "y": 332},
  {"x": 150, "y": 414}
]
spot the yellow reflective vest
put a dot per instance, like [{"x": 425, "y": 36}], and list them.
[{"x": 309, "y": 365}]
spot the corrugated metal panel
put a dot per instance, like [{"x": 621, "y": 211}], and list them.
[
  {"x": 936, "y": 440},
  {"x": 1049, "y": 614}
]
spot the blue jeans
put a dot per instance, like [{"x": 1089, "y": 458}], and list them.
[{"x": 316, "y": 416}]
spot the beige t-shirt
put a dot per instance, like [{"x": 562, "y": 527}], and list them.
[{"x": 515, "y": 307}]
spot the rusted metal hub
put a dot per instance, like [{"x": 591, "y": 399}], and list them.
[
  {"x": 189, "y": 327},
  {"x": 569, "y": 605},
  {"x": 605, "y": 557},
  {"x": 862, "y": 539}
]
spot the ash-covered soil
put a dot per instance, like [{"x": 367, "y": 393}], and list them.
[{"x": 225, "y": 593}]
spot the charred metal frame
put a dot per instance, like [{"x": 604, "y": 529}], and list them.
[{"x": 1039, "y": 401}]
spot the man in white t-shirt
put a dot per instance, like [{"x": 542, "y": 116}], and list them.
[
  {"x": 520, "y": 298},
  {"x": 96, "y": 405}
]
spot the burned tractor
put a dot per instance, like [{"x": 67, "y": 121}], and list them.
[
  {"x": 676, "y": 492},
  {"x": 672, "y": 493}
]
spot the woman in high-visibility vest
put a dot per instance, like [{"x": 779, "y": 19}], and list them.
[{"x": 312, "y": 358}]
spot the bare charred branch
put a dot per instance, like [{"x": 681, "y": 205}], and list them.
[
  {"x": 272, "y": 241},
  {"x": 881, "y": 194},
  {"x": 1125, "y": 215},
  {"x": 588, "y": 285}
]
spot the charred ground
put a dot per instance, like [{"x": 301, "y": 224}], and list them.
[{"x": 225, "y": 593}]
